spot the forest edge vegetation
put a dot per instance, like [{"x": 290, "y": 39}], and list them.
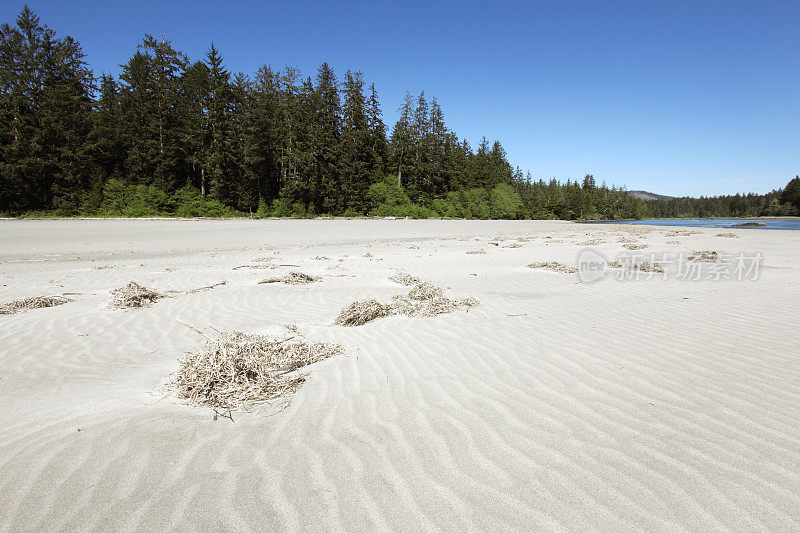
[{"x": 174, "y": 137}]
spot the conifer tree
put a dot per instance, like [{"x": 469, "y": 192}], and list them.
[
  {"x": 356, "y": 157},
  {"x": 377, "y": 135},
  {"x": 439, "y": 153},
  {"x": 327, "y": 133},
  {"x": 402, "y": 142},
  {"x": 194, "y": 121},
  {"x": 298, "y": 187},
  {"x": 419, "y": 182},
  {"x": 217, "y": 162},
  {"x": 151, "y": 121},
  {"x": 105, "y": 148},
  {"x": 262, "y": 130},
  {"x": 500, "y": 170}
]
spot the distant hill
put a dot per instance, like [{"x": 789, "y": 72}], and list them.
[{"x": 644, "y": 195}]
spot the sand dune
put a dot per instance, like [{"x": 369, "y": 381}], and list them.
[{"x": 652, "y": 404}]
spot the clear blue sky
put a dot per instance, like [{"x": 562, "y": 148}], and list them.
[{"x": 678, "y": 98}]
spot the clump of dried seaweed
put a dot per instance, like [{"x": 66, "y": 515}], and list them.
[
  {"x": 728, "y": 234},
  {"x": 133, "y": 295},
  {"x": 239, "y": 370},
  {"x": 404, "y": 278},
  {"x": 476, "y": 252},
  {"x": 259, "y": 266},
  {"x": 423, "y": 300},
  {"x": 362, "y": 311},
  {"x": 646, "y": 266},
  {"x": 554, "y": 266},
  {"x": 635, "y": 246},
  {"x": 704, "y": 256},
  {"x": 35, "y": 302},
  {"x": 292, "y": 278}
]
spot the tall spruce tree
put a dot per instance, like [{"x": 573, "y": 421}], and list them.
[
  {"x": 196, "y": 140},
  {"x": 298, "y": 187},
  {"x": 419, "y": 183},
  {"x": 326, "y": 138},
  {"x": 105, "y": 147},
  {"x": 402, "y": 142},
  {"x": 377, "y": 135},
  {"x": 439, "y": 154},
  {"x": 356, "y": 157},
  {"x": 150, "y": 98},
  {"x": 218, "y": 161},
  {"x": 262, "y": 134}
]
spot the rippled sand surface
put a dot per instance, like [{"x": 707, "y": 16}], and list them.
[{"x": 658, "y": 404}]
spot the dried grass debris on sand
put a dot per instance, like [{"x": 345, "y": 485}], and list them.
[
  {"x": 201, "y": 289},
  {"x": 635, "y": 246},
  {"x": 293, "y": 278},
  {"x": 553, "y": 266},
  {"x": 259, "y": 266},
  {"x": 476, "y": 251},
  {"x": 404, "y": 278},
  {"x": 133, "y": 295},
  {"x": 239, "y": 370},
  {"x": 424, "y": 291},
  {"x": 727, "y": 234},
  {"x": 424, "y": 300},
  {"x": 362, "y": 311},
  {"x": 704, "y": 256},
  {"x": 34, "y": 302},
  {"x": 438, "y": 305},
  {"x": 681, "y": 233},
  {"x": 646, "y": 266}
]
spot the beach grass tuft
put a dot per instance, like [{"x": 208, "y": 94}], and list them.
[
  {"x": 553, "y": 266},
  {"x": 239, "y": 370},
  {"x": 423, "y": 300},
  {"x": 292, "y": 278},
  {"x": 133, "y": 295},
  {"x": 35, "y": 302}
]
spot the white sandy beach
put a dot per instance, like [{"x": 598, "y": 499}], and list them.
[{"x": 656, "y": 404}]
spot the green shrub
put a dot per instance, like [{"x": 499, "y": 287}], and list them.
[
  {"x": 263, "y": 209},
  {"x": 187, "y": 202},
  {"x": 128, "y": 200},
  {"x": 505, "y": 202},
  {"x": 282, "y": 208},
  {"x": 387, "y": 198},
  {"x": 352, "y": 213},
  {"x": 299, "y": 210}
]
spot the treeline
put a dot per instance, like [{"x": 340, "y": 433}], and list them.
[
  {"x": 780, "y": 202},
  {"x": 171, "y": 136}
]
